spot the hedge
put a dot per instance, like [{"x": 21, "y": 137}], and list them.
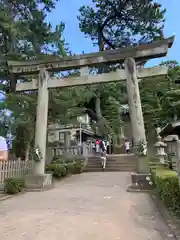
[
  {"x": 60, "y": 170},
  {"x": 167, "y": 187}
]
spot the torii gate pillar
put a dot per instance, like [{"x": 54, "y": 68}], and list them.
[
  {"x": 136, "y": 115},
  {"x": 39, "y": 179},
  {"x": 41, "y": 119},
  {"x": 138, "y": 130}
]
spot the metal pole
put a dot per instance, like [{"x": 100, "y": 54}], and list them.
[{"x": 80, "y": 137}]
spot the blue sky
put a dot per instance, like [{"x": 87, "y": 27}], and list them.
[{"x": 78, "y": 43}]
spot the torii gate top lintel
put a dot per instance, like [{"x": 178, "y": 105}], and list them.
[{"x": 141, "y": 52}]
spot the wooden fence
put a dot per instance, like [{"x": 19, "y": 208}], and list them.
[{"x": 15, "y": 168}]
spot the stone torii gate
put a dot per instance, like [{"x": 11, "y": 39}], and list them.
[{"x": 128, "y": 56}]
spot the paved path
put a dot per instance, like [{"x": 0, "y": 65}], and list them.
[{"x": 83, "y": 207}]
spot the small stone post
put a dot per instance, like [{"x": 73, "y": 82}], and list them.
[
  {"x": 160, "y": 146},
  {"x": 137, "y": 121}
]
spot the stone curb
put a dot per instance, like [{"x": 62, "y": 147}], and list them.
[
  {"x": 172, "y": 221},
  {"x": 129, "y": 189},
  {"x": 39, "y": 189},
  {"x": 11, "y": 196}
]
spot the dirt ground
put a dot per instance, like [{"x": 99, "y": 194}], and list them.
[{"x": 82, "y": 207}]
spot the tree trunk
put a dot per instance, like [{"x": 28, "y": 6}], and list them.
[
  {"x": 120, "y": 135},
  {"x": 119, "y": 139},
  {"x": 67, "y": 143},
  {"x": 98, "y": 108},
  {"x": 175, "y": 117},
  {"x": 98, "y": 100},
  {"x": 27, "y": 152}
]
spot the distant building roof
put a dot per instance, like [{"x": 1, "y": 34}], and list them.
[{"x": 172, "y": 128}]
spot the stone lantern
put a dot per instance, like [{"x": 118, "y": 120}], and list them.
[
  {"x": 158, "y": 130},
  {"x": 160, "y": 146}
]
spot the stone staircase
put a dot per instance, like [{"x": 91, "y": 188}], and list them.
[{"x": 115, "y": 163}]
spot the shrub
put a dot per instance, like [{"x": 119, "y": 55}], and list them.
[
  {"x": 63, "y": 159},
  {"x": 58, "y": 160},
  {"x": 61, "y": 170},
  {"x": 14, "y": 185},
  {"x": 57, "y": 170},
  {"x": 78, "y": 166},
  {"x": 70, "y": 167},
  {"x": 167, "y": 187}
]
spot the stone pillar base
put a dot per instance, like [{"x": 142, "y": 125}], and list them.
[
  {"x": 142, "y": 165},
  {"x": 38, "y": 182},
  {"x": 141, "y": 182}
]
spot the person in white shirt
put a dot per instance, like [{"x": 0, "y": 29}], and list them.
[
  {"x": 127, "y": 146},
  {"x": 3, "y": 149},
  {"x": 103, "y": 153},
  {"x": 93, "y": 147}
]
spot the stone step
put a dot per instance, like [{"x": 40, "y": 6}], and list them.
[
  {"x": 93, "y": 170},
  {"x": 116, "y": 156},
  {"x": 112, "y": 162},
  {"x": 115, "y": 159},
  {"x": 121, "y": 160},
  {"x": 108, "y": 170},
  {"x": 120, "y": 163},
  {"x": 121, "y": 168},
  {"x": 111, "y": 167},
  {"x": 118, "y": 159}
]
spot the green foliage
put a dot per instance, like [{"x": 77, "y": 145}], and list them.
[
  {"x": 160, "y": 96},
  {"x": 58, "y": 170},
  {"x": 78, "y": 166},
  {"x": 122, "y": 23},
  {"x": 5, "y": 124},
  {"x": 62, "y": 167},
  {"x": 70, "y": 167},
  {"x": 58, "y": 160},
  {"x": 110, "y": 25},
  {"x": 167, "y": 187},
  {"x": 26, "y": 34},
  {"x": 141, "y": 148},
  {"x": 36, "y": 154},
  {"x": 14, "y": 185}
]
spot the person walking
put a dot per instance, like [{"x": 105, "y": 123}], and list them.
[
  {"x": 127, "y": 146},
  {"x": 93, "y": 145},
  {"x": 97, "y": 146},
  {"x": 103, "y": 153}
]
